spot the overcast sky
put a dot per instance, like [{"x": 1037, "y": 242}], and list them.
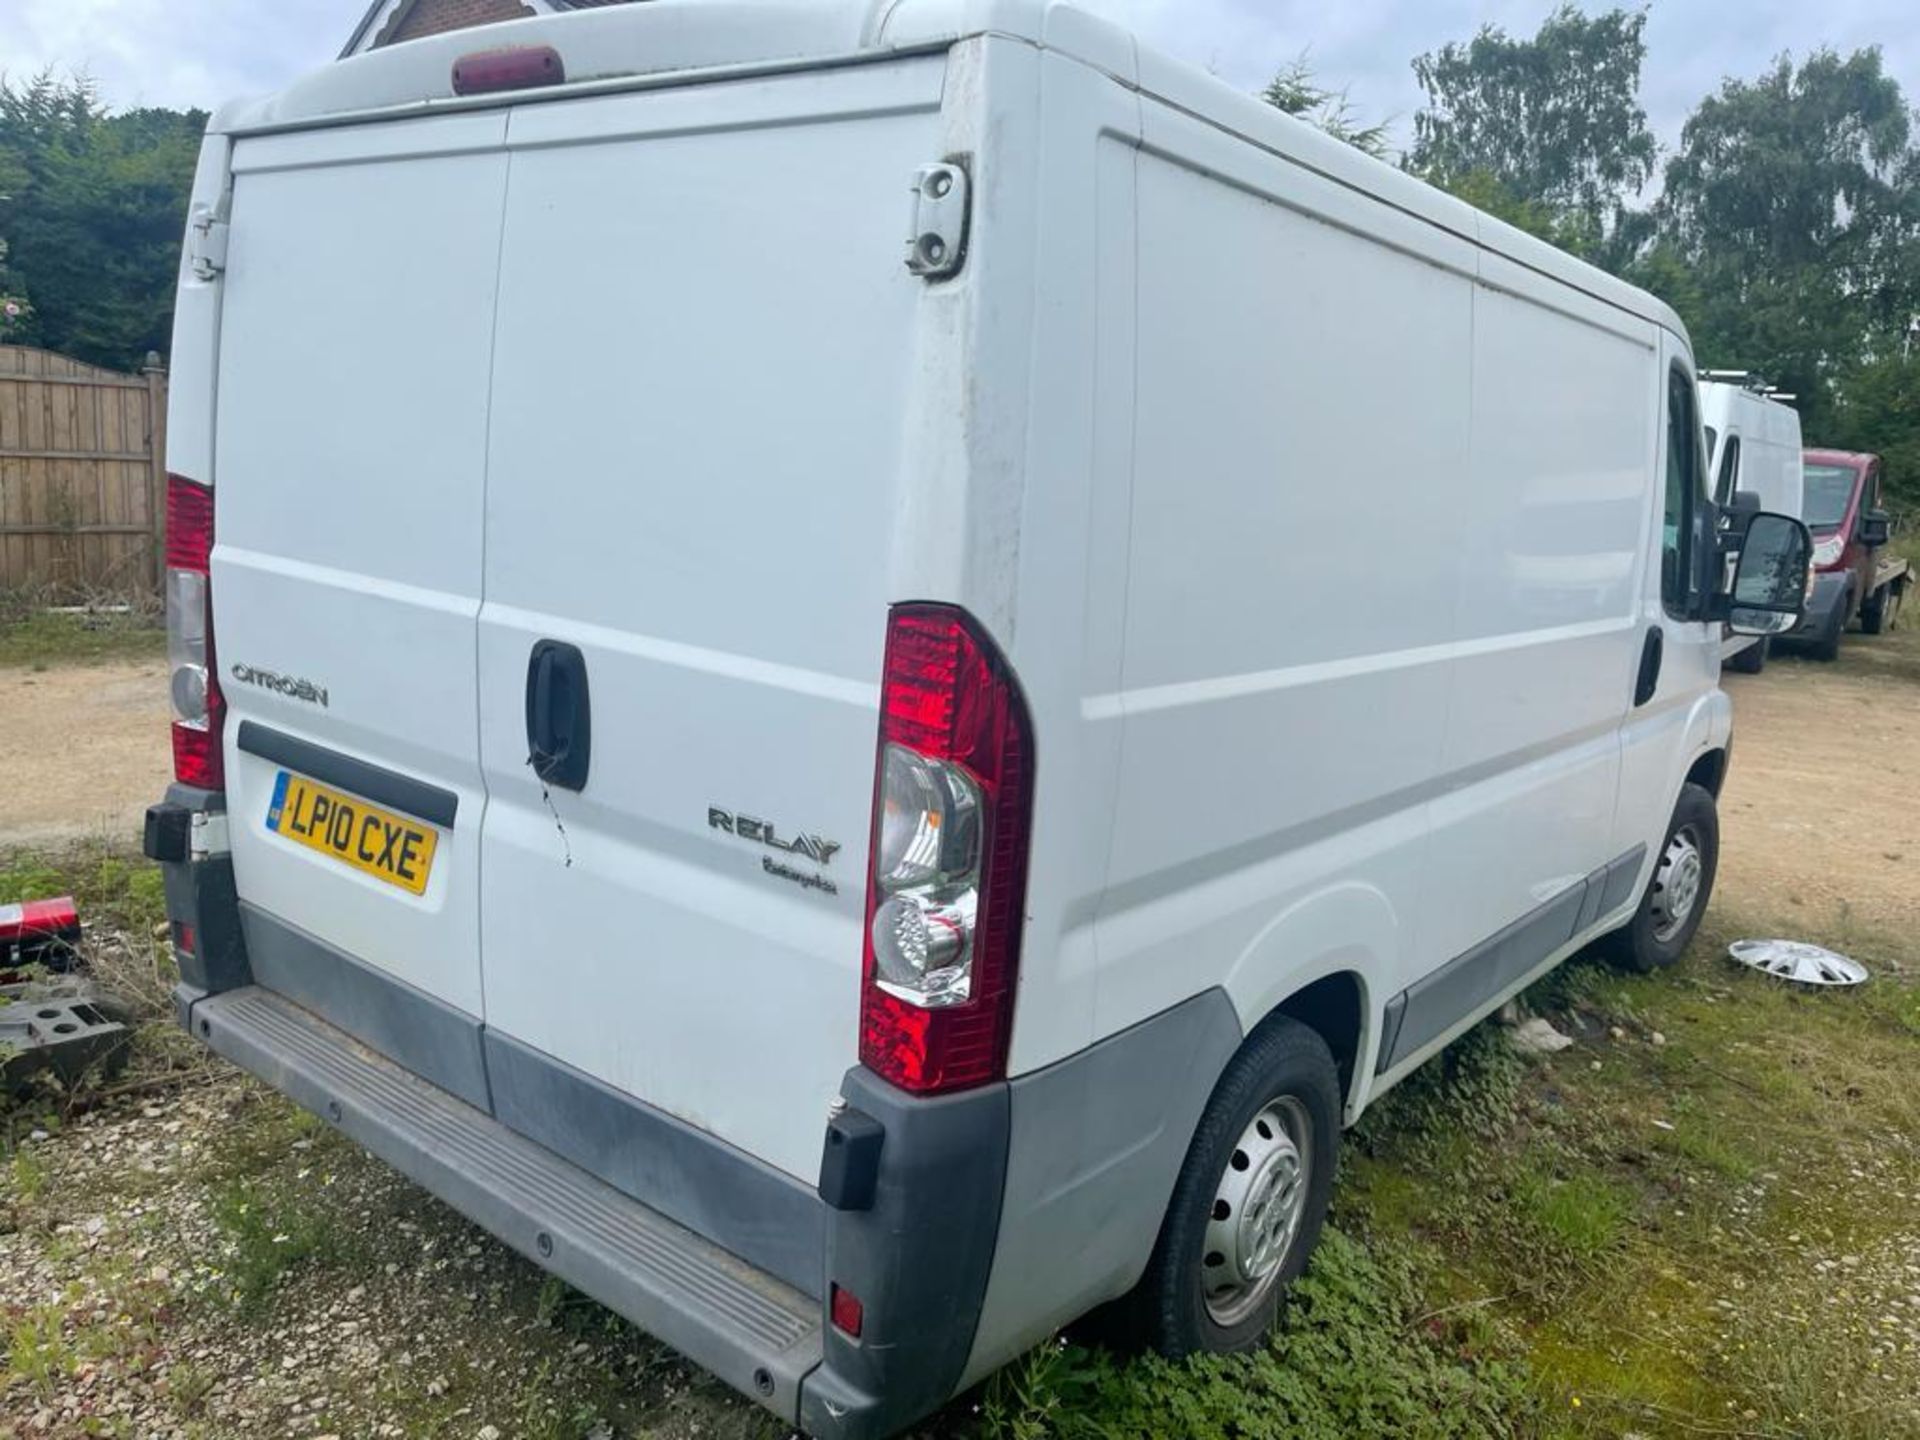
[{"x": 200, "y": 52}]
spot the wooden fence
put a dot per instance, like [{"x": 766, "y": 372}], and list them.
[{"x": 82, "y": 476}]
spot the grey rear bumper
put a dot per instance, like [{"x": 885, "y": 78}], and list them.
[{"x": 758, "y": 1334}]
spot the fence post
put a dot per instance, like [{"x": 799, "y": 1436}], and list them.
[{"x": 156, "y": 372}]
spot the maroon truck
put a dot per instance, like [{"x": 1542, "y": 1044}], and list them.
[{"x": 1853, "y": 572}]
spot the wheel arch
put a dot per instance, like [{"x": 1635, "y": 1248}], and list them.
[
  {"x": 1317, "y": 963},
  {"x": 1709, "y": 770}
]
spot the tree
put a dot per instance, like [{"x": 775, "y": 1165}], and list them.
[
  {"x": 1553, "y": 122},
  {"x": 93, "y": 221},
  {"x": 1795, "y": 200},
  {"x": 1294, "y": 91}
]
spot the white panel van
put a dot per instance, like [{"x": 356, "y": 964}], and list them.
[
  {"x": 1753, "y": 452},
  {"x": 771, "y": 695}
]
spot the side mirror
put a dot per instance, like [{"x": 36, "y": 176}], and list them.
[
  {"x": 1770, "y": 582},
  {"x": 1876, "y": 527}
]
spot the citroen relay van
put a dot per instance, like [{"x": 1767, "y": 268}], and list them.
[
  {"x": 1753, "y": 455},
  {"x": 771, "y": 699}
]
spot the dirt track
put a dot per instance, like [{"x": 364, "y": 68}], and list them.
[
  {"x": 1819, "y": 810},
  {"x": 83, "y": 750}
]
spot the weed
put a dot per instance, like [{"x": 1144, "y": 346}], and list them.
[
  {"x": 189, "y": 1385},
  {"x": 266, "y": 1235},
  {"x": 1355, "y": 1355},
  {"x": 38, "y": 1352},
  {"x": 29, "y": 1174},
  {"x": 1584, "y": 1215}
]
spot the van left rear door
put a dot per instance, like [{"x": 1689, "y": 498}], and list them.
[{"x": 350, "y": 459}]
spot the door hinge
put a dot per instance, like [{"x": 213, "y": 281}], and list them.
[
  {"x": 937, "y": 243},
  {"x": 206, "y": 243}
]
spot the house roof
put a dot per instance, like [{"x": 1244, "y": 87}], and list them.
[{"x": 379, "y": 9}]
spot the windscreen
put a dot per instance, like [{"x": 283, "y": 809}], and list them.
[{"x": 1829, "y": 488}]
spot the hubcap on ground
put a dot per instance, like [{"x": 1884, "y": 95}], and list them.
[
  {"x": 1257, "y": 1209},
  {"x": 1676, "y": 883}
]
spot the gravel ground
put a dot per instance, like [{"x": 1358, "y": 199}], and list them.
[{"x": 204, "y": 1261}]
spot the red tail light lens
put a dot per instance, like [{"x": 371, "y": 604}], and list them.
[
  {"x": 199, "y": 709},
  {"x": 952, "y": 805}
]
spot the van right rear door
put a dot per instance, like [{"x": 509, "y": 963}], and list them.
[{"x": 705, "y": 364}]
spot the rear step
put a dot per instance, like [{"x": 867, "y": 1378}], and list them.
[{"x": 753, "y": 1331}]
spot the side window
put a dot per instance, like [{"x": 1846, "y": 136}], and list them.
[
  {"x": 1729, "y": 480},
  {"x": 1684, "y": 467}
]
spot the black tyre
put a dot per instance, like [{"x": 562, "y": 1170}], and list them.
[
  {"x": 1252, "y": 1196},
  {"x": 1753, "y": 659},
  {"x": 1877, "y": 614},
  {"x": 1827, "y": 646},
  {"x": 1677, "y": 895}
]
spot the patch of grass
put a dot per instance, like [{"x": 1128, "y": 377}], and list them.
[
  {"x": 38, "y": 1353},
  {"x": 1583, "y": 1215},
  {"x": 40, "y": 640},
  {"x": 1358, "y": 1353},
  {"x": 28, "y": 1173},
  {"x": 266, "y": 1234}
]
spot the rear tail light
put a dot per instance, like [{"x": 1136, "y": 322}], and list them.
[
  {"x": 953, "y": 797},
  {"x": 199, "y": 709}
]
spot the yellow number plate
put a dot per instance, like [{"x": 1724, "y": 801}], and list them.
[{"x": 383, "y": 845}]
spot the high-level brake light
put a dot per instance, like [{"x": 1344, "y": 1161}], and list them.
[
  {"x": 524, "y": 67},
  {"x": 953, "y": 798}
]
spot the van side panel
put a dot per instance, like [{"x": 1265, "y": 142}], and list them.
[
  {"x": 1292, "y": 586},
  {"x": 695, "y": 470},
  {"x": 351, "y": 453},
  {"x": 1553, "y": 532}
]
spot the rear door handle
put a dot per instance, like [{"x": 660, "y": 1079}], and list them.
[
  {"x": 559, "y": 715},
  {"x": 1652, "y": 651}
]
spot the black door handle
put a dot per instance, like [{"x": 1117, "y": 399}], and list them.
[
  {"x": 1651, "y": 653},
  {"x": 559, "y": 717}
]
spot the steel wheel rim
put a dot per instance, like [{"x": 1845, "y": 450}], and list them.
[
  {"x": 1677, "y": 882},
  {"x": 1258, "y": 1206}
]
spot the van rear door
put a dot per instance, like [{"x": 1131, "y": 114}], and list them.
[
  {"x": 350, "y": 459},
  {"x": 704, "y": 362}
]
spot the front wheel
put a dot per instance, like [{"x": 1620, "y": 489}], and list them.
[
  {"x": 1753, "y": 659},
  {"x": 1677, "y": 894},
  {"x": 1878, "y": 615},
  {"x": 1252, "y": 1196}
]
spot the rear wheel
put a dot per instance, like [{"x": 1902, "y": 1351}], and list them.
[
  {"x": 1753, "y": 659},
  {"x": 1247, "y": 1209},
  {"x": 1677, "y": 894}
]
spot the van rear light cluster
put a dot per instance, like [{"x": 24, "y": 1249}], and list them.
[
  {"x": 952, "y": 803},
  {"x": 199, "y": 709}
]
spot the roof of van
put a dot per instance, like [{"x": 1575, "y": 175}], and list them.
[{"x": 620, "y": 46}]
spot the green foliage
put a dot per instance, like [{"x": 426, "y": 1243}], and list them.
[
  {"x": 1795, "y": 199},
  {"x": 1355, "y": 1355},
  {"x": 1554, "y": 121},
  {"x": 267, "y": 1234},
  {"x": 92, "y": 224},
  {"x": 1787, "y": 235},
  {"x": 1295, "y": 92}
]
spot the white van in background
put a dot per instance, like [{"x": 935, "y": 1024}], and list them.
[
  {"x": 839, "y": 794},
  {"x": 1753, "y": 446}
]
